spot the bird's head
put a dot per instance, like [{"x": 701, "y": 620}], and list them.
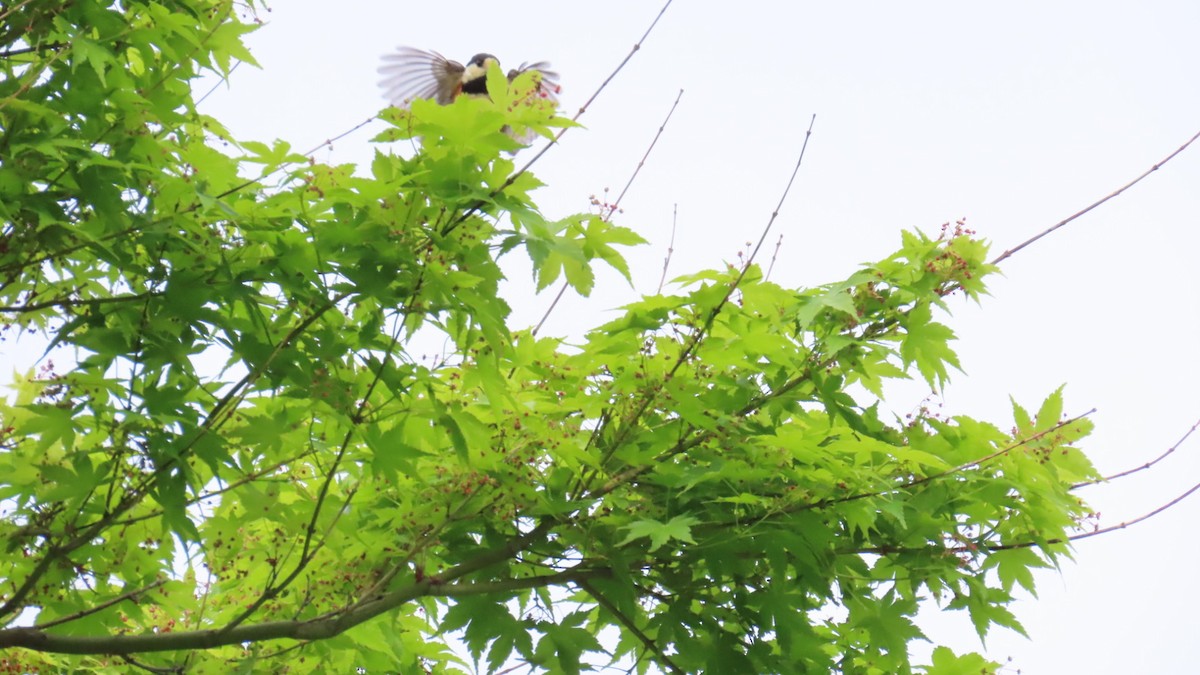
[{"x": 477, "y": 67}]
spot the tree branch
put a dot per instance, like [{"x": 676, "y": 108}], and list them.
[
  {"x": 698, "y": 336},
  {"x": 576, "y": 576},
  {"x": 884, "y": 550},
  {"x": 315, "y": 629},
  {"x": 670, "y": 248},
  {"x": 49, "y": 46},
  {"x": 948, "y": 472},
  {"x": 612, "y": 208},
  {"x": 129, "y": 595},
  {"x": 629, "y": 625},
  {"x": 138, "y": 492},
  {"x": 1143, "y": 467},
  {"x": 462, "y": 217},
  {"x": 68, "y": 302},
  {"x": 152, "y": 669},
  {"x": 1007, "y": 254}
]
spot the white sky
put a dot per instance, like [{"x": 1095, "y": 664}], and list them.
[{"x": 1012, "y": 115}]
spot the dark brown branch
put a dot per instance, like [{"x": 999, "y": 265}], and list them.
[
  {"x": 88, "y": 302},
  {"x": 87, "y": 534},
  {"x": 576, "y": 576},
  {"x": 49, "y": 46},
  {"x": 629, "y": 625},
  {"x": 317, "y": 629}
]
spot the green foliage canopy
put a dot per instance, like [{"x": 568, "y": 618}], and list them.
[{"x": 248, "y": 468}]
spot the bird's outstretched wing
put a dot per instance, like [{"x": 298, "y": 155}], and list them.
[
  {"x": 410, "y": 74},
  {"x": 548, "y": 87}
]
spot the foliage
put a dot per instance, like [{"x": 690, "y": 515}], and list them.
[{"x": 248, "y": 468}]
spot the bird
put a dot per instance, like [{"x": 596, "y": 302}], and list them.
[{"x": 410, "y": 74}]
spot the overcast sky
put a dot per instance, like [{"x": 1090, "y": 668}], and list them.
[{"x": 1010, "y": 115}]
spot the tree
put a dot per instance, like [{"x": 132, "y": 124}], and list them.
[{"x": 248, "y": 466}]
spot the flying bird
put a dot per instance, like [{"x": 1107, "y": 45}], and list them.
[{"x": 409, "y": 74}]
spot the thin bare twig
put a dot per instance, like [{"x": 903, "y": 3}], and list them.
[
  {"x": 128, "y": 595},
  {"x": 693, "y": 342},
  {"x": 712, "y": 315},
  {"x": 553, "y": 303},
  {"x": 612, "y": 208},
  {"x": 629, "y": 625},
  {"x": 1007, "y": 254},
  {"x": 81, "y": 302},
  {"x": 662, "y": 127},
  {"x": 276, "y": 169},
  {"x": 884, "y": 550},
  {"x": 583, "y": 108},
  {"x": 462, "y": 217},
  {"x": 670, "y": 248},
  {"x": 8, "y": 11},
  {"x": 1135, "y": 521},
  {"x": 1143, "y": 467},
  {"x": 223, "y": 80},
  {"x": 774, "y": 256},
  {"x": 782, "y": 198}
]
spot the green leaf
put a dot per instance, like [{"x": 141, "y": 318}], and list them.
[
  {"x": 678, "y": 528},
  {"x": 96, "y": 56},
  {"x": 486, "y": 621},
  {"x": 946, "y": 662},
  {"x": 1024, "y": 423},
  {"x": 926, "y": 343},
  {"x": 1015, "y": 566},
  {"x": 1050, "y": 413},
  {"x": 457, "y": 438},
  {"x": 563, "y": 646}
]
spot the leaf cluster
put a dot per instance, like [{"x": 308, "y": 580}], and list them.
[{"x": 250, "y": 466}]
